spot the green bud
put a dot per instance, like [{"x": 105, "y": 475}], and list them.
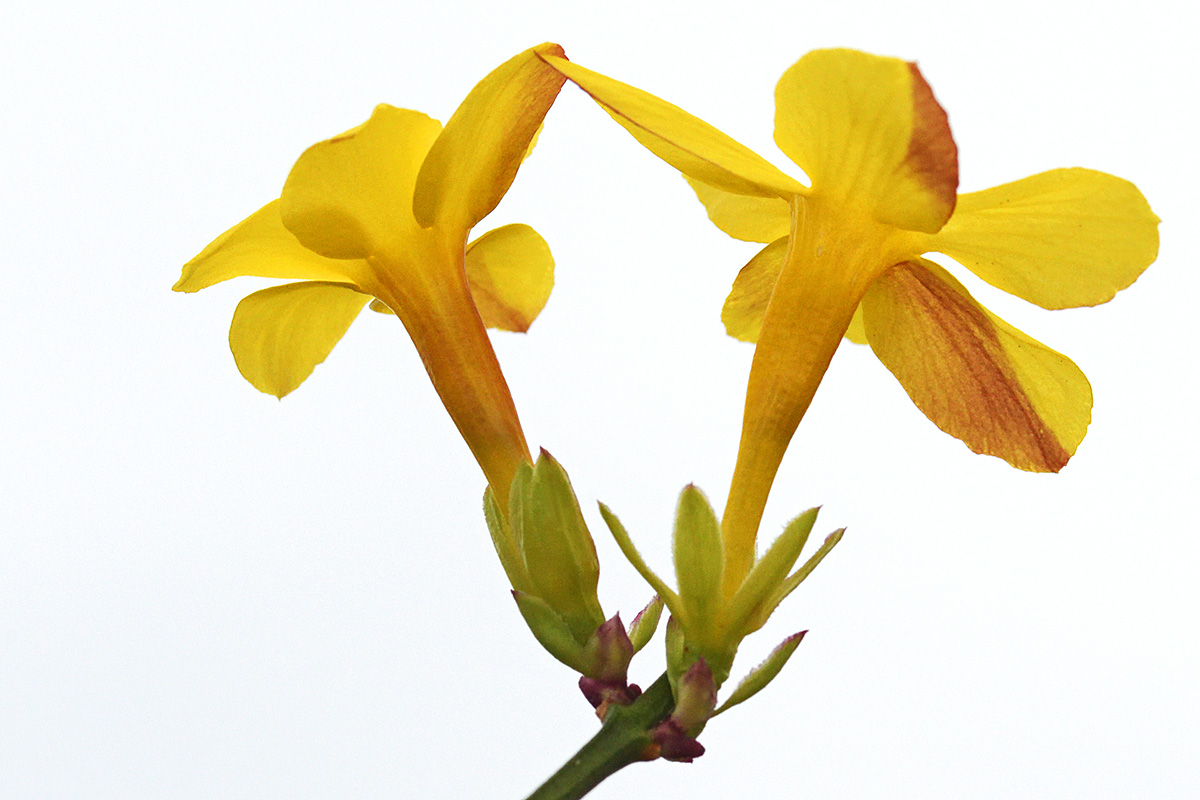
[{"x": 555, "y": 546}]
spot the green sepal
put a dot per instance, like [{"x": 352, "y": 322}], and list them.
[
  {"x": 787, "y": 587},
  {"x": 551, "y": 631},
  {"x": 769, "y": 573},
  {"x": 642, "y": 629},
  {"x": 635, "y": 558},
  {"x": 505, "y": 543},
  {"x": 677, "y": 660},
  {"x": 699, "y": 561},
  {"x": 763, "y": 674},
  {"x": 557, "y": 547}
]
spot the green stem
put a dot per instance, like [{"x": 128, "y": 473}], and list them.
[{"x": 622, "y": 740}]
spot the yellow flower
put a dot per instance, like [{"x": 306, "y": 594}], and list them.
[
  {"x": 844, "y": 258},
  {"x": 382, "y": 214}
]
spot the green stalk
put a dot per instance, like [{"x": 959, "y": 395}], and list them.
[{"x": 623, "y": 740}]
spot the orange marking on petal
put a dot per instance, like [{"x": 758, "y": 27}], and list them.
[
  {"x": 932, "y": 153},
  {"x": 989, "y": 410}
]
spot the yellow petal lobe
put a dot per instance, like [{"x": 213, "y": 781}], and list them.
[
  {"x": 868, "y": 131},
  {"x": 751, "y": 219},
  {"x": 476, "y": 157},
  {"x": 689, "y": 144},
  {"x": 857, "y": 332},
  {"x": 279, "y": 335},
  {"x": 260, "y": 246},
  {"x": 975, "y": 376},
  {"x": 351, "y": 196},
  {"x": 747, "y": 302},
  {"x": 1060, "y": 239},
  {"x": 511, "y": 273}
]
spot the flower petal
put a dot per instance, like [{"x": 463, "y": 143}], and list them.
[
  {"x": 747, "y": 302},
  {"x": 474, "y": 161},
  {"x": 867, "y": 129},
  {"x": 974, "y": 375},
  {"x": 260, "y": 246},
  {"x": 511, "y": 273},
  {"x": 280, "y": 334},
  {"x": 692, "y": 146},
  {"x": 351, "y": 196},
  {"x": 1060, "y": 239},
  {"x": 746, "y": 305},
  {"x": 751, "y": 219},
  {"x": 857, "y": 332}
]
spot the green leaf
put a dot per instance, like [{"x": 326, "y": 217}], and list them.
[
  {"x": 641, "y": 630},
  {"x": 763, "y": 674},
  {"x": 770, "y": 571},
  {"x": 634, "y": 557},
  {"x": 787, "y": 587}
]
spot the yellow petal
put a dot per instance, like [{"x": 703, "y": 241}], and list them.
[
  {"x": 280, "y": 334},
  {"x": 260, "y": 246},
  {"x": 692, "y": 146},
  {"x": 747, "y": 302},
  {"x": 746, "y": 305},
  {"x": 751, "y": 219},
  {"x": 1060, "y": 239},
  {"x": 511, "y": 273},
  {"x": 474, "y": 161},
  {"x": 857, "y": 332},
  {"x": 351, "y": 196},
  {"x": 974, "y": 375},
  {"x": 868, "y": 130}
]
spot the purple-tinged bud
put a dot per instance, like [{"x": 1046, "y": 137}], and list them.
[
  {"x": 695, "y": 697},
  {"x": 673, "y": 744},
  {"x": 608, "y": 652}
]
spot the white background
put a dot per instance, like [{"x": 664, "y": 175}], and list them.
[{"x": 205, "y": 593}]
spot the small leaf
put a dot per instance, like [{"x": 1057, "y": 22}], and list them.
[
  {"x": 764, "y": 673},
  {"x": 787, "y": 587},
  {"x": 770, "y": 571},
  {"x": 635, "y": 558},
  {"x": 641, "y": 630}
]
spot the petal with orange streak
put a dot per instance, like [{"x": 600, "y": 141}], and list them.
[
  {"x": 974, "y": 375},
  {"x": 869, "y": 132}
]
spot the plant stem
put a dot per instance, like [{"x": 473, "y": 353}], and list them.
[{"x": 622, "y": 740}]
